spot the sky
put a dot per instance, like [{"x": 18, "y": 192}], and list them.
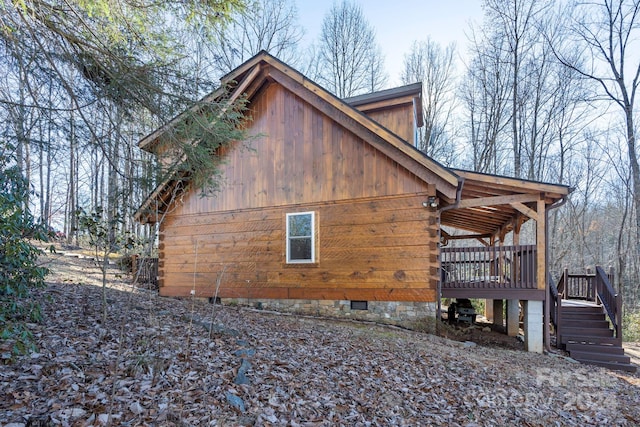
[{"x": 400, "y": 22}]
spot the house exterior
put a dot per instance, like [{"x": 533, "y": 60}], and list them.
[{"x": 332, "y": 211}]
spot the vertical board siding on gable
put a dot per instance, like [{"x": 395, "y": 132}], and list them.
[
  {"x": 398, "y": 120},
  {"x": 300, "y": 156},
  {"x": 371, "y": 249}
]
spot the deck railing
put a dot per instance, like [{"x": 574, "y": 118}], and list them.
[
  {"x": 556, "y": 294},
  {"x": 611, "y": 301},
  {"x": 491, "y": 267},
  {"x": 589, "y": 286},
  {"x": 579, "y": 286}
]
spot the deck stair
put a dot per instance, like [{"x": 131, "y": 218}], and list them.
[
  {"x": 587, "y": 317},
  {"x": 588, "y": 337}
]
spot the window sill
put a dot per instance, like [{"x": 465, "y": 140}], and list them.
[{"x": 301, "y": 265}]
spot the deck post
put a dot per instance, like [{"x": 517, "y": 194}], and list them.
[
  {"x": 533, "y": 330},
  {"x": 498, "y": 313},
  {"x": 513, "y": 317},
  {"x": 488, "y": 309},
  {"x": 541, "y": 270},
  {"x": 513, "y": 305},
  {"x": 541, "y": 243}
]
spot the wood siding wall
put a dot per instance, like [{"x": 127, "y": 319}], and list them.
[
  {"x": 301, "y": 156},
  {"x": 398, "y": 119},
  {"x": 372, "y": 249},
  {"x": 376, "y": 241}
]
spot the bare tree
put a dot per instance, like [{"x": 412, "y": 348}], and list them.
[
  {"x": 429, "y": 63},
  {"x": 608, "y": 32},
  {"x": 516, "y": 22},
  {"x": 485, "y": 95},
  {"x": 525, "y": 109},
  {"x": 619, "y": 184},
  {"x": 269, "y": 25},
  {"x": 88, "y": 71},
  {"x": 350, "y": 61}
]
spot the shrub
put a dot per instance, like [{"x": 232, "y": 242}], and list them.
[
  {"x": 19, "y": 271},
  {"x": 631, "y": 327}
]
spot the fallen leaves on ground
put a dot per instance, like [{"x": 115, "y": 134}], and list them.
[{"x": 160, "y": 361}]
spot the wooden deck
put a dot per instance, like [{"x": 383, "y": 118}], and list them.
[
  {"x": 578, "y": 303},
  {"x": 494, "y": 272}
]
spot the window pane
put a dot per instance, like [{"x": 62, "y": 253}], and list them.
[
  {"x": 300, "y": 225},
  {"x": 300, "y": 249}
]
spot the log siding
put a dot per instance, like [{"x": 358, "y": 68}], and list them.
[
  {"x": 380, "y": 249},
  {"x": 375, "y": 240}
]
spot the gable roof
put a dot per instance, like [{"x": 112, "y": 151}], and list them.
[
  {"x": 249, "y": 77},
  {"x": 341, "y": 111},
  {"x": 391, "y": 97},
  {"x": 480, "y": 203}
]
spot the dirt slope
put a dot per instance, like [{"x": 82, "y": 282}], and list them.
[{"x": 155, "y": 362}]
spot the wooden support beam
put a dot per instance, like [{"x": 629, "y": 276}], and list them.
[
  {"x": 526, "y": 210},
  {"x": 520, "y": 219},
  {"x": 484, "y": 242},
  {"x": 242, "y": 86},
  {"x": 258, "y": 80},
  {"x": 498, "y": 200},
  {"x": 541, "y": 243},
  {"x": 465, "y": 236}
]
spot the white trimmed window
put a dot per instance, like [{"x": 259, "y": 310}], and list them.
[{"x": 301, "y": 237}]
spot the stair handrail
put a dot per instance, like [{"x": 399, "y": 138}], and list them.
[
  {"x": 610, "y": 300},
  {"x": 562, "y": 283},
  {"x": 556, "y": 292},
  {"x": 554, "y": 299}
]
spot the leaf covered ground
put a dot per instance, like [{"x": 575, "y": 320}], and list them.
[{"x": 159, "y": 361}]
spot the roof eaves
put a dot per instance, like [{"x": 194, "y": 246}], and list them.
[
  {"x": 414, "y": 89},
  {"x": 509, "y": 180},
  {"x": 444, "y": 172},
  {"x": 147, "y": 142}
]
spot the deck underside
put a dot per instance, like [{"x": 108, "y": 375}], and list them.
[{"x": 493, "y": 293}]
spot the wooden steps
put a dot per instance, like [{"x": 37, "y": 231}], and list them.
[
  {"x": 588, "y": 315},
  {"x": 585, "y": 324},
  {"x": 605, "y": 349},
  {"x": 586, "y": 335},
  {"x": 587, "y": 331},
  {"x": 585, "y": 339}
]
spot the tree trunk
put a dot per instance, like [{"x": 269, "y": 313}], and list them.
[
  {"x": 73, "y": 182},
  {"x": 113, "y": 187},
  {"x": 635, "y": 171},
  {"x": 514, "y": 116},
  {"x": 44, "y": 218}
]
